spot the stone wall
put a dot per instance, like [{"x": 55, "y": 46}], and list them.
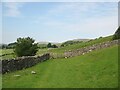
[
  {"x": 22, "y": 63},
  {"x": 88, "y": 49},
  {"x": 25, "y": 62}
]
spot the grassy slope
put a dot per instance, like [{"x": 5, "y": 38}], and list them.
[
  {"x": 98, "y": 69},
  {"x": 59, "y": 50},
  {"x": 77, "y": 46}
]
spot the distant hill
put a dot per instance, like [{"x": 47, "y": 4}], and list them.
[
  {"x": 74, "y": 41},
  {"x": 47, "y": 42},
  {"x": 84, "y": 40},
  {"x": 43, "y": 44}
]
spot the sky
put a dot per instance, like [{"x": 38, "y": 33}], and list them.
[{"x": 58, "y": 21}]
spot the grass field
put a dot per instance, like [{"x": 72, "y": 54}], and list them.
[
  {"x": 98, "y": 69},
  {"x": 59, "y": 50},
  {"x": 76, "y": 46},
  {"x": 6, "y": 51},
  {"x": 10, "y": 53}
]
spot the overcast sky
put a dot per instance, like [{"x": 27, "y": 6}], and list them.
[{"x": 58, "y": 22}]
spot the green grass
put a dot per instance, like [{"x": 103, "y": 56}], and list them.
[
  {"x": 11, "y": 56},
  {"x": 98, "y": 69},
  {"x": 59, "y": 51},
  {"x": 81, "y": 45},
  {"x": 0, "y": 81},
  {"x": 7, "y": 51},
  {"x": 76, "y": 46}
]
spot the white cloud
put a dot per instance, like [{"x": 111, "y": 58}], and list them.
[{"x": 13, "y": 9}]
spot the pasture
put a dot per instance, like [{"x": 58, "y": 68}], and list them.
[
  {"x": 60, "y": 50},
  {"x": 98, "y": 69}
]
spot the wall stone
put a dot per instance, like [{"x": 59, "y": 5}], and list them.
[
  {"x": 22, "y": 63},
  {"x": 88, "y": 49},
  {"x": 26, "y": 62}
]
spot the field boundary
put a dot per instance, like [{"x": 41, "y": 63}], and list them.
[
  {"x": 84, "y": 50},
  {"x": 88, "y": 49},
  {"x": 22, "y": 63},
  {"x": 29, "y": 61}
]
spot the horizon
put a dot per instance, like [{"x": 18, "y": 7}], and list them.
[{"x": 58, "y": 21}]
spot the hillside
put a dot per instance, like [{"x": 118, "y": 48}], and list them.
[
  {"x": 75, "y": 46},
  {"x": 60, "y": 50},
  {"x": 84, "y": 40},
  {"x": 98, "y": 69}
]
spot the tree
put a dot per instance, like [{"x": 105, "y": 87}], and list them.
[
  {"x": 49, "y": 45},
  {"x": 117, "y": 34},
  {"x": 25, "y": 47},
  {"x": 54, "y": 46}
]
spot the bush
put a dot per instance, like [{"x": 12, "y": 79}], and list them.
[
  {"x": 54, "y": 46},
  {"x": 100, "y": 37},
  {"x": 49, "y": 45},
  {"x": 117, "y": 34},
  {"x": 25, "y": 47}
]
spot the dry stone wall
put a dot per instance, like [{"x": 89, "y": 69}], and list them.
[
  {"x": 22, "y": 63},
  {"x": 88, "y": 49},
  {"x": 25, "y": 62}
]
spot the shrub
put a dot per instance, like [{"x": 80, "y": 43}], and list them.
[
  {"x": 49, "y": 45},
  {"x": 25, "y": 47},
  {"x": 54, "y": 46}
]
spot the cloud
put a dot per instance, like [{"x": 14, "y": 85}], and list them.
[
  {"x": 96, "y": 27},
  {"x": 76, "y": 10},
  {"x": 84, "y": 19},
  {"x": 68, "y": 21},
  {"x": 91, "y": 28},
  {"x": 13, "y": 9},
  {"x": 72, "y": 7}
]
